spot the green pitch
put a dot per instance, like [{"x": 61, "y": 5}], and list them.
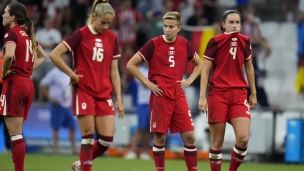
[{"x": 44, "y": 162}]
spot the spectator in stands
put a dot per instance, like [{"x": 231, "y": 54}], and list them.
[
  {"x": 197, "y": 19},
  {"x": 22, "y": 55},
  {"x": 55, "y": 86},
  {"x": 48, "y": 37},
  {"x": 210, "y": 10},
  {"x": 167, "y": 56},
  {"x": 225, "y": 55},
  {"x": 94, "y": 78},
  {"x": 127, "y": 22},
  {"x": 142, "y": 133}
]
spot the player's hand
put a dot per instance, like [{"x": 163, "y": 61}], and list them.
[
  {"x": 119, "y": 107},
  {"x": 252, "y": 101},
  {"x": 184, "y": 84},
  {"x": 74, "y": 79},
  {"x": 202, "y": 104},
  {"x": 155, "y": 89}
]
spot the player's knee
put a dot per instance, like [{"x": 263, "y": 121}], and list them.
[
  {"x": 242, "y": 141},
  {"x": 189, "y": 140},
  {"x": 105, "y": 140},
  {"x": 160, "y": 139}
]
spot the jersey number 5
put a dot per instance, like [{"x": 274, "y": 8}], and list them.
[
  {"x": 29, "y": 50},
  {"x": 98, "y": 54},
  {"x": 171, "y": 60},
  {"x": 233, "y": 52}
]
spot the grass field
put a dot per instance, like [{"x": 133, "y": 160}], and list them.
[{"x": 41, "y": 162}]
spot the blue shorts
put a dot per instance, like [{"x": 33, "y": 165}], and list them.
[
  {"x": 143, "y": 114},
  {"x": 61, "y": 117}
]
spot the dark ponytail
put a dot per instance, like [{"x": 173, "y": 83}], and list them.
[{"x": 19, "y": 11}]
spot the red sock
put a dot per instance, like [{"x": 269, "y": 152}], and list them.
[
  {"x": 190, "y": 154},
  {"x": 215, "y": 160},
  {"x": 18, "y": 152},
  {"x": 237, "y": 156},
  {"x": 86, "y": 152},
  {"x": 101, "y": 145},
  {"x": 159, "y": 157}
]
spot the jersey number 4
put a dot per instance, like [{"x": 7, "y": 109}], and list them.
[
  {"x": 29, "y": 50},
  {"x": 98, "y": 54},
  {"x": 233, "y": 52}
]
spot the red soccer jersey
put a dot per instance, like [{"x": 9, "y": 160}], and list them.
[
  {"x": 167, "y": 62},
  {"x": 23, "y": 60},
  {"x": 93, "y": 55},
  {"x": 228, "y": 53}
]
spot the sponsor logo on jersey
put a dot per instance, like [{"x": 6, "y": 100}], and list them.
[
  {"x": 6, "y": 35},
  {"x": 84, "y": 105},
  {"x": 171, "y": 48},
  {"x": 171, "y": 52},
  {"x": 98, "y": 45},
  {"x": 234, "y": 39},
  {"x": 98, "y": 40},
  {"x": 233, "y": 43}
]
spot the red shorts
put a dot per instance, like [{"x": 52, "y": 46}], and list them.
[
  {"x": 17, "y": 96},
  {"x": 167, "y": 113},
  {"x": 224, "y": 106},
  {"x": 85, "y": 104}
]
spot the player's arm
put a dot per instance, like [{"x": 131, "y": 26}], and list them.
[
  {"x": 115, "y": 79},
  {"x": 251, "y": 81},
  {"x": 8, "y": 58},
  {"x": 132, "y": 67},
  {"x": 56, "y": 57},
  {"x": 197, "y": 70},
  {"x": 202, "y": 104},
  {"x": 41, "y": 57}
]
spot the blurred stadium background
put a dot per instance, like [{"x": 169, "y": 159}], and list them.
[{"x": 277, "y": 130}]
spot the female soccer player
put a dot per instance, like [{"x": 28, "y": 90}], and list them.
[
  {"x": 225, "y": 55},
  {"x": 96, "y": 74}
]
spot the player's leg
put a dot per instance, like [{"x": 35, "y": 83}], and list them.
[
  {"x": 217, "y": 117},
  {"x": 105, "y": 124},
  {"x": 161, "y": 110},
  {"x": 182, "y": 122},
  {"x": 159, "y": 150},
  {"x": 83, "y": 106},
  {"x": 239, "y": 117},
  {"x": 241, "y": 128},
  {"x": 14, "y": 126}
]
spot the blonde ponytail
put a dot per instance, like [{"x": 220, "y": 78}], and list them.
[{"x": 100, "y": 8}]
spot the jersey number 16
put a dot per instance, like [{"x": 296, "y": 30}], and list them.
[{"x": 29, "y": 50}]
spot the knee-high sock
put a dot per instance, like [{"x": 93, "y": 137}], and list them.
[
  {"x": 101, "y": 145},
  {"x": 18, "y": 152},
  {"x": 237, "y": 156},
  {"x": 215, "y": 160},
  {"x": 86, "y": 152},
  {"x": 159, "y": 157},
  {"x": 190, "y": 155}
]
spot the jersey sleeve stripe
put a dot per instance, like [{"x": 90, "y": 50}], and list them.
[
  {"x": 117, "y": 56},
  {"x": 248, "y": 58},
  {"x": 142, "y": 56},
  {"x": 194, "y": 56},
  {"x": 66, "y": 44},
  {"x": 208, "y": 58},
  {"x": 8, "y": 43}
]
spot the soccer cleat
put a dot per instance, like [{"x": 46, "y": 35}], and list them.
[
  {"x": 144, "y": 156},
  {"x": 130, "y": 155},
  {"x": 76, "y": 166}
]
